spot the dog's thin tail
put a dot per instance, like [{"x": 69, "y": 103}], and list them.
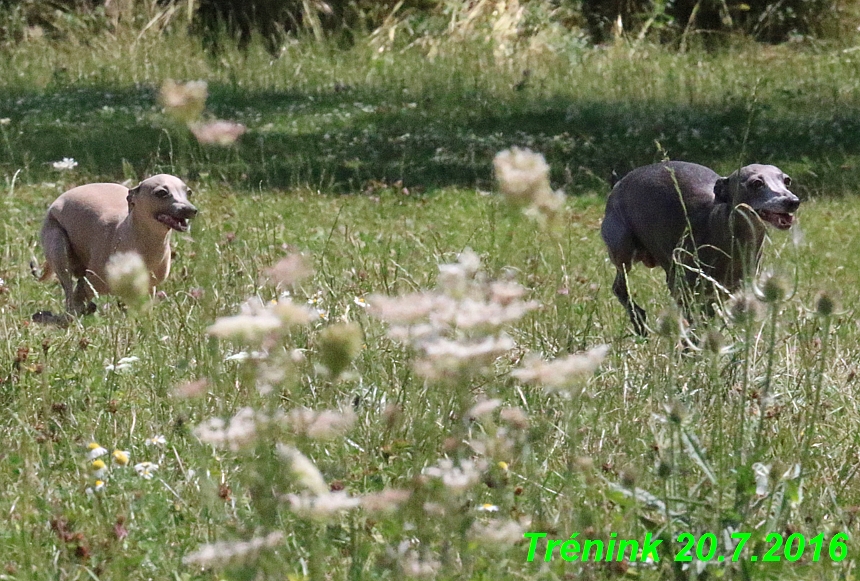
[{"x": 41, "y": 274}]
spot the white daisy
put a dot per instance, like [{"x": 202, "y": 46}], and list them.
[
  {"x": 95, "y": 451},
  {"x": 158, "y": 440},
  {"x": 145, "y": 469}
]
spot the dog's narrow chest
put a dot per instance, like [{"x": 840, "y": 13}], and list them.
[{"x": 88, "y": 224}]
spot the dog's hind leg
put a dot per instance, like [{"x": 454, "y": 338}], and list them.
[
  {"x": 636, "y": 313},
  {"x": 61, "y": 260},
  {"x": 622, "y": 250}
]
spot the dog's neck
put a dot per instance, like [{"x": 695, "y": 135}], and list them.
[
  {"x": 149, "y": 238},
  {"x": 740, "y": 234}
]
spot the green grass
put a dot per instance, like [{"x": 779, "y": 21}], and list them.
[
  {"x": 336, "y": 119},
  {"x": 316, "y": 173}
]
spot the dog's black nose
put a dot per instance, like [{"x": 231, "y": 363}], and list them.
[
  {"x": 188, "y": 211},
  {"x": 791, "y": 204}
]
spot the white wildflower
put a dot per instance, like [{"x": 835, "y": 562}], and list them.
[
  {"x": 495, "y": 446},
  {"x": 415, "y": 334},
  {"x": 290, "y": 270},
  {"x": 360, "y": 302},
  {"x": 256, "y": 319},
  {"x": 515, "y": 417},
  {"x": 236, "y": 434},
  {"x": 320, "y": 425},
  {"x": 98, "y": 468},
  {"x": 224, "y": 553},
  {"x": 521, "y": 174},
  {"x": 305, "y": 470},
  {"x": 298, "y": 356},
  {"x": 121, "y": 457},
  {"x": 415, "y": 565},
  {"x": 457, "y": 478},
  {"x": 561, "y": 373},
  {"x": 124, "y": 364},
  {"x": 524, "y": 181},
  {"x": 185, "y": 101},
  {"x": 457, "y": 329},
  {"x": 217, "y": 132},
  {"x": 434, "y": 509},
  {"x": 191, "y": 389},
  {"x": 128, "y": 277},
  {"x": 487, "y": 507},
  {"x": 158, "y": 440},
  {"x": 322, "y": 506},
  {"x": 245, "y": 327},
  {"x": 292, "y": 314},
  {"x": 145, "y": 469},
  {"x": 65, "y": 164},
  {"x": 497, "y": 534},
  {"x": 490, "y": 315},
  {"x": 385, "y": 501},
  {"x": 485, "y": 349},
  {"x": 454, "y": 278},
  {"x": 404, "y": 310},
  {"x": 469, "y": 261},
  {"x": 97, "y": 487},
  {"x": 95, "y": 451},
  {"x": 505, "y": 292},
  {"x": 484, "y": 407}
]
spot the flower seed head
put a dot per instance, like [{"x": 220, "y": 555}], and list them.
[
  {"x": 339, "y": 345},
  {"x": 629, "y": 477},
  {"x": 825, "y": 304},
  {"x": 713, "y": 342},
  {"x": 773, "y": 289},
  {"x": 669, "y": 324},
  {"x": 744, "y": 309}
]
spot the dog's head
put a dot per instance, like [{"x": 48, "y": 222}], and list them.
[
  {"x": 764, "y": 188},
  {"x": 164, "y": 198}
]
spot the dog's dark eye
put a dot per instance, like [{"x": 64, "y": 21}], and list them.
[
  {"x": 162, "y": 193},
  {"x": 188, "y": 193},
  {"x": 757, "y": 184},
  {"x": 787, "y": 181}
]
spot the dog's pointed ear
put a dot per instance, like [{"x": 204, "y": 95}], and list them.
[
  {"x": 132, "y": 193},
  {"x": 722, "y": 195}
]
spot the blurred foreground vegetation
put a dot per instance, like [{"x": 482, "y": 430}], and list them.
[{"x": 368, "y": 145}]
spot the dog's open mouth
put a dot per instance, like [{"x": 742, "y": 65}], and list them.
[
  {"x": 781, "y": 220},
  {"x": 178, "y": 224}
]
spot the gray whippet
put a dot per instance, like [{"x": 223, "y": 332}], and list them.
[{"x": 678, "y": 214}]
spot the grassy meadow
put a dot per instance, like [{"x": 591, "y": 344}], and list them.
[{"x": 376, "y": 162}]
